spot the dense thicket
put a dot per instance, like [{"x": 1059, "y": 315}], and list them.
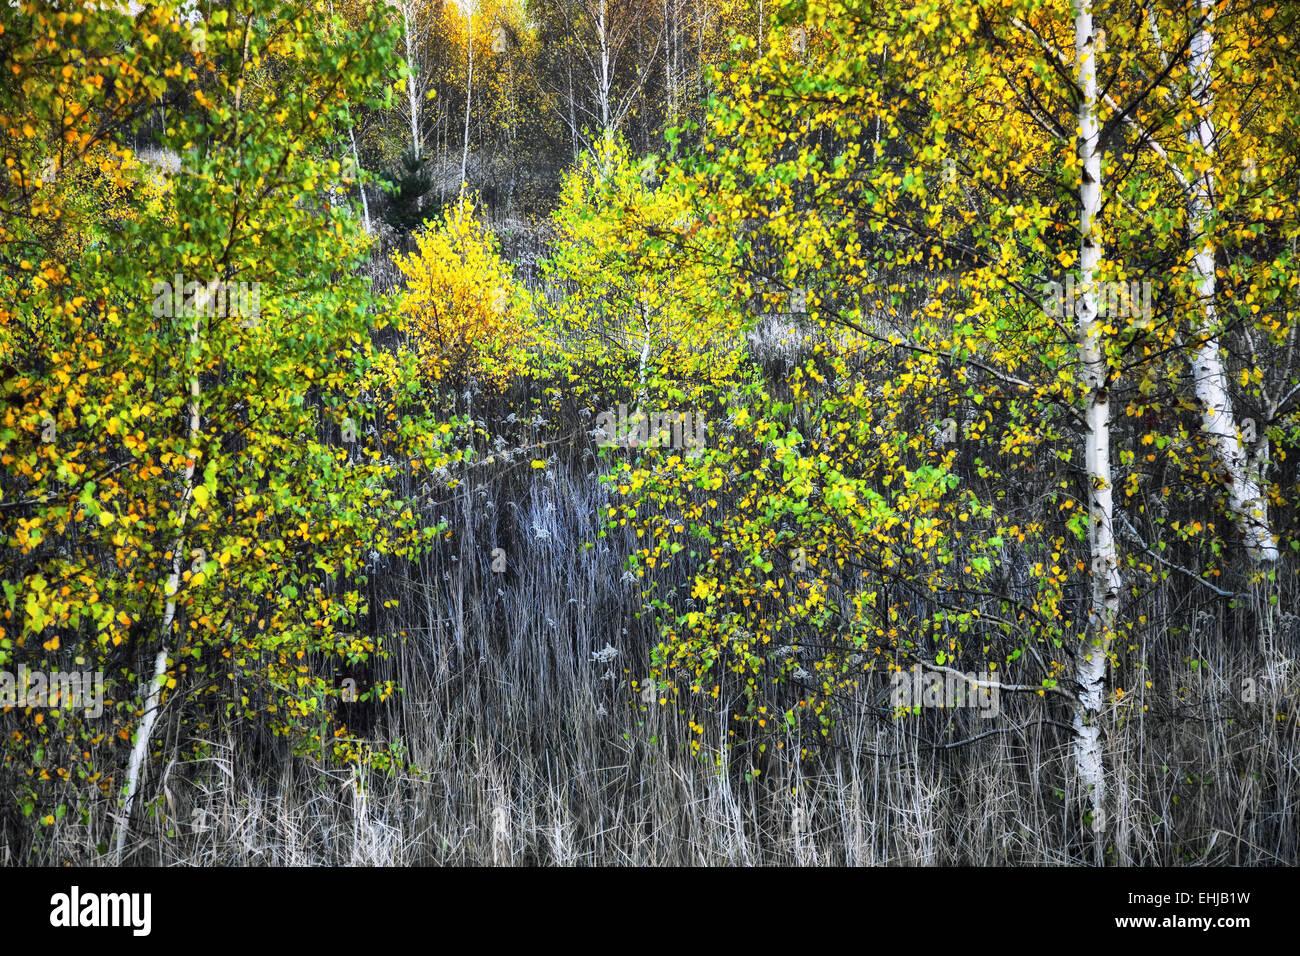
[{"x": 555, "y": 434}]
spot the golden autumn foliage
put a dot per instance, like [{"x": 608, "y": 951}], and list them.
[
  {"x": 465, "y": 309},
  {"x": 644, "y": 288}
]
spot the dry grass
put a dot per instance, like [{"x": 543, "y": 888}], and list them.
[{"x": 529, "y": 752}]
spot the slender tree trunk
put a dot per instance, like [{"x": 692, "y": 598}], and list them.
[
  {"x": 644, "y": 363},
  {"x": 604, "y": 89},
  {"x": 444, "y": 144},
  {"x": 356, "y": 161},
  {"x": 361, "y": 188},
  {"x": 412, "y": 96},
  {"x": 1090, "y": 659},
  {"x": 1242, "y": 476},
  {"x": 153, "y": 699},
  {"x": 670, "y": 85},
  {"x": 573, "y": 119},
  {"x": 604, "y": 81},
  {"x": 469, "y": 97},
  {"x": 412, "y": 99}
]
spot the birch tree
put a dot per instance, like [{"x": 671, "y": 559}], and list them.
[
  {"x": 226, "y": 360},
  {"x": 409, "y": 27},
  {"x": 1244, "y": 471},
  {"x": 615, "y": 47},
  {"x": 990, "y": 182},
  {"x": 1091, "y": 659}
]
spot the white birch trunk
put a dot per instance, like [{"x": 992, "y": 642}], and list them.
[
  {"x": 153, "y": 700},
  {"x": 361, "y": 188},
  {"x": 469, "y": 97},
  {"x": 413, "y": 101},
  {"x": 573, "y": 118},
  {"x": 1091, "y": 658},
  {"x": 603, "y": 81},
  {"x": 644, "y": 362},
  {"x": 1242, "y": 474},
  {"x": 670, "y": 70}
]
